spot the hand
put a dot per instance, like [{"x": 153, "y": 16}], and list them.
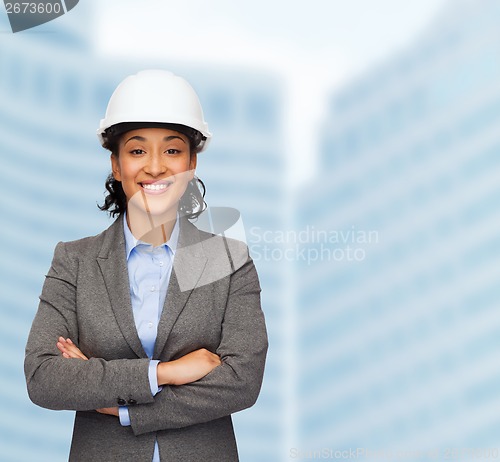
[
  {"x": 187, "y": 369},
  {"x": 69, "y": 349},
  {"x": 108, "y": 411}
]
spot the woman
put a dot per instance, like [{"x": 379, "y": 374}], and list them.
[{"x": 152, "y": 330}]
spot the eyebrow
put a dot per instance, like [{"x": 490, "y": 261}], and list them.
[{"x": 167, "y": 138}]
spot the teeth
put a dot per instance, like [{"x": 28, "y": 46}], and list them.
[{"x": 155, "y": 187}]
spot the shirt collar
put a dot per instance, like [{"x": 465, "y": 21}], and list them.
[{"x": 131, "y": 242}]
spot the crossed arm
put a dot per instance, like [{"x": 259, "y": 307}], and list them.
[
  {"x": 187, "y": 369},
  {"x": 213, "y": 385}
]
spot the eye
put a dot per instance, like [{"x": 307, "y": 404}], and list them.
[
  {"x": 172, "y": 151},
  {"x": 137, "y": 151}
]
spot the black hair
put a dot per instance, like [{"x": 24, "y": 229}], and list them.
[{"x": 192, "y": 202}]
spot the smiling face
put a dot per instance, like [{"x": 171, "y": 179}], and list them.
[{"x": 154, "y": 166}]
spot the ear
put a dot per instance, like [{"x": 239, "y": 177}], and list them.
[
  {"x": 192, "y": 164},
  {"x": 115, "y": 168}
]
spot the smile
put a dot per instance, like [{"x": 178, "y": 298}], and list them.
[{"x": 155, "y": 187}]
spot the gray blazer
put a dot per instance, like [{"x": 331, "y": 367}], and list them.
[{"x": 213, "y": 302}]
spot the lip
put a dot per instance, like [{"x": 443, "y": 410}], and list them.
[{"x": 155, "y": 187}]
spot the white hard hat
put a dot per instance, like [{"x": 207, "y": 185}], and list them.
[{"x": 155, "y": 96}]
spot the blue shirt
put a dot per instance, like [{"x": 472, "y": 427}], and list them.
[{"x": 149, "y": 270}]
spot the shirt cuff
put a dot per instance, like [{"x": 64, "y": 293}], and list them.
[
  {"x": 153, "y": 378},
  {"x": 123, "y": 413},
  {"x": 124, "y": 416}
]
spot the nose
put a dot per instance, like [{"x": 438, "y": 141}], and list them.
[{"x": 155, "y": 165}]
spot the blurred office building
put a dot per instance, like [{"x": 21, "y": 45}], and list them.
[
  {"x": 398, "y": 263},
  {"x": 54, "y": 91}
]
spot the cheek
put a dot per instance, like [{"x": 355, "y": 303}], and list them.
[
  {"x": 182, "y": 173},
  {"x": 181, "y": 165},
  {"x": 129, "y": 170}
]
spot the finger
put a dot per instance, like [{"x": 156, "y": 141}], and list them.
[
  {"x": 62, "y": 348},
  {"x": 108, "y": 411},
  {"x": 62, "y": 343},
  {"x": 75, "y": 352},
  {"x": 69, "y": 354},
  {"x": 72, "y": 350},
  {"x": 66, "y": 341}
]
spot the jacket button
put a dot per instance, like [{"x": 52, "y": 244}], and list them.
[
  {"x": 132, "y": 401},
  {"x": 121, "y": 402}
]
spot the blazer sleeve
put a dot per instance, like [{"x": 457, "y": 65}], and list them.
[
  {"x": 55, "y": 382},
  {"x": 230, "y": 387}
]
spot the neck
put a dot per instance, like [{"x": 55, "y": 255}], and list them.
[{"x": 152, "y": 229}]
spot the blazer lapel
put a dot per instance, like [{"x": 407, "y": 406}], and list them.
[
  {"x": 189, "y": 263},
  {"x": 113, "y": 264}
]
